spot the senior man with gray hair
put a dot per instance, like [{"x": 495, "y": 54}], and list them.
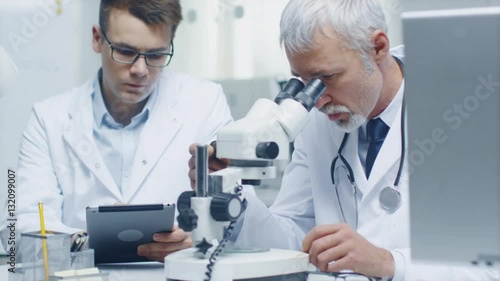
[{"x": 346, "y": 213}]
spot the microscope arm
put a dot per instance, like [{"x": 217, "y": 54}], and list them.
[{"x": 226, "y": 180}]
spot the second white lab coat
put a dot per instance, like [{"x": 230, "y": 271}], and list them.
[
  {"x": 307, "y": 198},
  {"x": 60, "y": 164}
]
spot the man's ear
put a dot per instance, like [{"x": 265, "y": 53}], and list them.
[
  {"x": 96, "y": 38},
  {"x": 381, "y": 45}
]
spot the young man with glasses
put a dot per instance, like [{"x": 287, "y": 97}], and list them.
[{"x": 120, "y": 137}]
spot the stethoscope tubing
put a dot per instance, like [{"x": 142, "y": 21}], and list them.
[{"x": 349, "y": 168}]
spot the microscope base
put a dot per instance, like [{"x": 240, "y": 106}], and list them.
[{"x": 235, "y": 266}]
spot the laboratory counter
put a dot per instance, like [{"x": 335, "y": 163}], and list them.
[{"x": 140, "y": 271}]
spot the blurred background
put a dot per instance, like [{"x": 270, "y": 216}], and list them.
[{"x": 234, "y": 42}]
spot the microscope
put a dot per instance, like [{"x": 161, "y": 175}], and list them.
[{"x": 251, "y": 144}]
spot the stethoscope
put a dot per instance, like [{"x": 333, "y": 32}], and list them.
[{"x": 389, "y": 197}]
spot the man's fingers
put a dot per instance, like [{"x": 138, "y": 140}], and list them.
[
  {"x": 192, "y": 177},
  {"x": 318, "y": 232},
  {"x": 214, "y": 164},
  {"x": 324, "y": 259},
  {"x": 320, "y": 245},
  {"x": 217, "y": 164},
  {"x": 211, "y": 150},
  {"x": 192, "y": 150},
  {"x": 192, "y": 162},
  {"x": 158, "y": 250},
  {"x": 175, "y": 236},
  {"x": 149, "y": 249}
]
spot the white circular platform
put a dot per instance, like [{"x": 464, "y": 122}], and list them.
[{"x": 233, "y": 266}]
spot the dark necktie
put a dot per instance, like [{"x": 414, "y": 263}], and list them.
[{"x": 376, "y": 130}]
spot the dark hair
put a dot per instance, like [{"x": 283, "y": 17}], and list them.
[{"x": 167, "y": 12}]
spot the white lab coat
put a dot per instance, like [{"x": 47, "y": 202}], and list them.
[
  {"x": 307, "y": 198},
  {"x": 60, "y": 165}
]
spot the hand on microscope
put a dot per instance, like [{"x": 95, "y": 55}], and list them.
[{"x": 214, "y": 164}]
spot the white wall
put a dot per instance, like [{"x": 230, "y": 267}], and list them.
[
  {"x": 53, "y": 54},
  {"x": 214, "y": 43}
]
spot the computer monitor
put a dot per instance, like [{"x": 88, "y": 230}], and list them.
[{"x": 452, "y": 70}]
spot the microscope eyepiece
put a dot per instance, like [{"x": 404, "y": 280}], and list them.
[
  {"x": 292, "y": 87},
  {"x": 311, "y": 93}
]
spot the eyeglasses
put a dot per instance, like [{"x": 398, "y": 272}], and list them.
[{"x": 128, "y": 56}]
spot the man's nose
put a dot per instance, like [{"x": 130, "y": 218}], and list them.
[{"x": 139, "y": 67}]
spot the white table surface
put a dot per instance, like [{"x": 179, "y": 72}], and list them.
[
  {"x": 130, "y": 272},
  {"x": 133, "y": 272}
]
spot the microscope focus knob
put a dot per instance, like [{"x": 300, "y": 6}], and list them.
[
  {"x": 184, "y": 200},
  {"x": 226, "y": 207},
  {"x": 187, "y": 218},
  {"x": 267, "y": 150}
]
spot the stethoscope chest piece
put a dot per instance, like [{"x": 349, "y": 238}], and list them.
[{"x": 390, "y": 199}]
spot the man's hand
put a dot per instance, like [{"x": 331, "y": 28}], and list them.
[
  {"x": 165, "y": 244},
  {"x": 214, "y": 164},
  {"x": 338, "y": 247}
]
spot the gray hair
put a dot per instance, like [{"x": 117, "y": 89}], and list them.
[{"x": 352, "y": 20}]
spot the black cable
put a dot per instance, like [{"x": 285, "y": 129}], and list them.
[
  {"x": 403, "y": 142},
  {"x": 227, "y": 233},
  {"x": 339, "y": 154},
  {"x": 218, "y": 251},
  {"x": 403, "y": 129}
]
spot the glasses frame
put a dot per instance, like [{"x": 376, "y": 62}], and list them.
[{"x": 139, "y": 54}]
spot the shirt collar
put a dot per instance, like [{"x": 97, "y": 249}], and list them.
[
  {"x": 102, "y": 116},
  {"x": 392, "y": 109}
]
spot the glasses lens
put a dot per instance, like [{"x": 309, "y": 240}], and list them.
[
  {"x": 159, "y": 59},
  {"x": 124, "y": 55},
  {"x": 130, "y": 56}
]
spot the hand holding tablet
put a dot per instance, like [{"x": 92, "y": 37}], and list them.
[{"x": 116, "y": 232}]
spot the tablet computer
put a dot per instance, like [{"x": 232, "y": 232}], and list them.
[{"x": 115, "y": 232}]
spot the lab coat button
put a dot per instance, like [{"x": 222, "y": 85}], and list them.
[
  {"x": 144, "y": 162},
  {"x": 97, "y": 166}
]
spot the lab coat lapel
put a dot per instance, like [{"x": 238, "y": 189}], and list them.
[
  {"x": 78, "y": 135},
  {"x": 389, "y": 153},
  {"x": 158, "y": 132}
]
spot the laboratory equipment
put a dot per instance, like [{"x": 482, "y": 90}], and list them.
[{"x": 251, "y": 144}]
